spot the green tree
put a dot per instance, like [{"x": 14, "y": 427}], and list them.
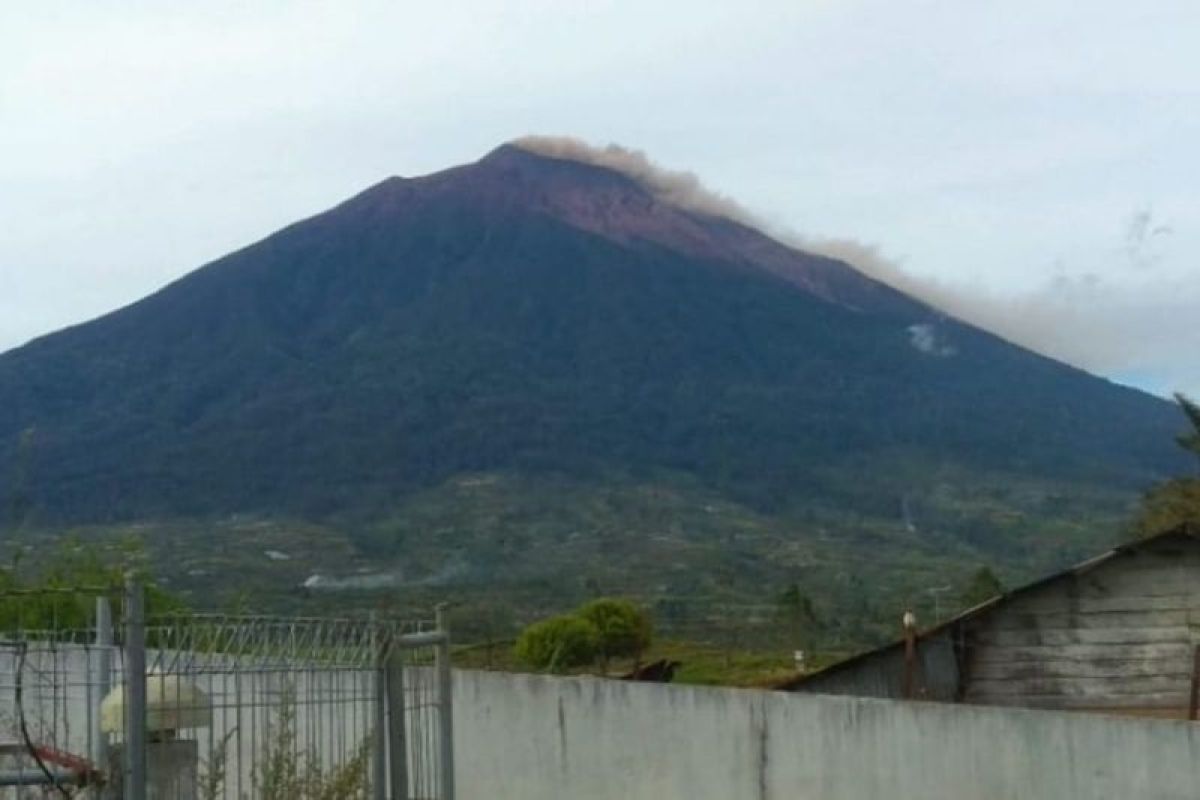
[
  {"x": 625, "y": 628},
  {"x": 20, "y": 503},
  {"x": 797, "y": 615},
  {"x": 1168, "y": 506},
  {"x": 1190, "y": 441},
  {"x": 983, "y": 586},
  {"x": 43, "y": 597},
  {"x": 558, "y": 643},
  {"x": 1176, "y": 501}
]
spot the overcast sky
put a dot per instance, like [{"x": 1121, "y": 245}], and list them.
[{"x": 1038, "y": 161}]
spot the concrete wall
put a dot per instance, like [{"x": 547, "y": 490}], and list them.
[{"x": 535, "y": 737}]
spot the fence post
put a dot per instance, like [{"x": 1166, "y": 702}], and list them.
[
  {"x": 134, "y": 783},
  {"x": 445, "y": 704},
  {"x": 379, "y": 732},
  {"x": 910, "y": 655},
  {"x": 1194, "y": 700},
  {"x": 396, "y": 730},
  {"x": 103, "y": 685}
]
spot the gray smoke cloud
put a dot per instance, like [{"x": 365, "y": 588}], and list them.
[
  {"x": 681, "y": 189},
  {"x": 1129, "y": 326},
  {"x": 685, "y": 190},
  {"x": 1135, "y": 327}
]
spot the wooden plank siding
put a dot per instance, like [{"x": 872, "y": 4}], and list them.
[
  {"x": 936, "y": 674},
  {"x": 1119, "y": 637},
  {"x": 1117, "y": 634}
]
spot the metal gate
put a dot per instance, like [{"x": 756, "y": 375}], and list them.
[{"x": 205, "y": 707}]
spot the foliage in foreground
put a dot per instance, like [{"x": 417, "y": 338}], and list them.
[
  {"x": 558, "y": 643},
  {"x": 604, "y": 628},
  {"x": 624, "y": 629},
  {"x": 286, "y": 772},
  {"x": 1176, "y": 501},
  {"x": 60, "y": 594},
  {"x": 797, "y": 617},
  {"x": 1169, "y": 505},
  {"x": 1190, "y": 441},
  {"x": 984, "y": 586}
]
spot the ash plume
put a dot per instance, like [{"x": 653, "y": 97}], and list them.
[
  {"x": 680, "y": 189},
  {"x": 684, "y": 190},
  {"x": 1082, "y": 319},
  {"x": 1131, "y": 326}
]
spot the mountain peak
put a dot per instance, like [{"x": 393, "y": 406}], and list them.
[
  {"x": 512, "y": 154},
  {"x": 680, "y": 189},
  {"x": 619, "y": 195},
  {"x": 543, "y": 308}
]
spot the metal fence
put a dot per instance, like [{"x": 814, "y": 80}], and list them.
[{"x": 205, "y": 707}]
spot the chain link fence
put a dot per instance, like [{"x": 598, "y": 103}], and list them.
[{"x": 207, "y": 707}]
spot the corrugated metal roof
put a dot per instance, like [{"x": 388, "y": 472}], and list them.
[{"x": 1186, "y": 530}]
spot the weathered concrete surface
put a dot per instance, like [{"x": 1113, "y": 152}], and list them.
[{"x": 534, "y": 737}]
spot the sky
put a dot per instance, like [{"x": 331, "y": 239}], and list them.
[{"x": 1030, "y": 166}]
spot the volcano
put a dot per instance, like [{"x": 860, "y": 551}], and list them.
[{"x": 535, "y": 315}]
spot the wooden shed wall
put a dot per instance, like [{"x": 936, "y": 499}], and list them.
[
  {"x": 1119, "y": 637},
  {"x": 881, "y": 674}
]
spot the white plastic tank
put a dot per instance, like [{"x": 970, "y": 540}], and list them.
[{"x": 173, "y": 703}]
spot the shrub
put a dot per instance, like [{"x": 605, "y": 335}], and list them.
[
  {"x": 558, "y": 643},
  {"x": 984, "y": 585},
  {"x": 285, "y": 770},
  {"x": 624, "y": 628}
]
